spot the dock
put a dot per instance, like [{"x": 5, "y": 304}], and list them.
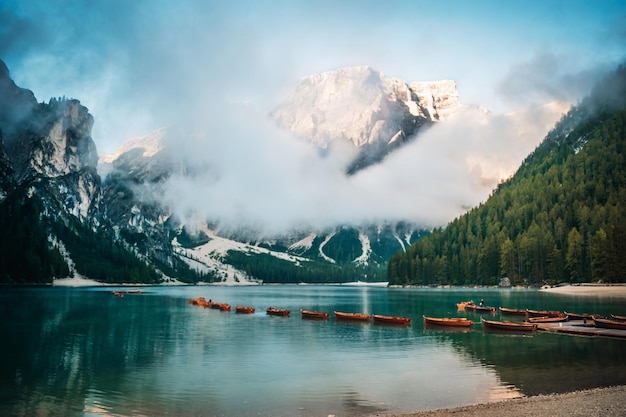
[{"x": 581, "y": 328}]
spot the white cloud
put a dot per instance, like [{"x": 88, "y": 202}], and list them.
[
  {"x": 266, "y": 179},
  {"x": 188, "y": 65}
]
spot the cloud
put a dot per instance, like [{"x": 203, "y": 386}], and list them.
[
  {"x": 188, "y": 65},
  {"x": 264, "y": 179},
  {"x": 547, "y": 77}
]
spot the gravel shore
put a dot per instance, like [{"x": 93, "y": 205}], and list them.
[
  {"x": 590, "y": 290},
  {"x": 604, "y": 402}
]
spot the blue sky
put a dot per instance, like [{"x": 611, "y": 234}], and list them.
[
  {"x": 145, "y": 64},
  {"x": 127, "y": 61}
]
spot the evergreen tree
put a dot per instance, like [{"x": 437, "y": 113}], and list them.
[{"x": 559, "y": 218}]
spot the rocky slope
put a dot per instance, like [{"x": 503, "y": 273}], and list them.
[{"x": 52, "y": 210}]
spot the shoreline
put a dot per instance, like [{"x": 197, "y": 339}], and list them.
[
  {"x": 607, "y": 401},
  {"x": 583, "y": 289},
  {"x": 589, "y": 290}
]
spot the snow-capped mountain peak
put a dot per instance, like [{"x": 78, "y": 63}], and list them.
[{"x": 361, "y": 106}]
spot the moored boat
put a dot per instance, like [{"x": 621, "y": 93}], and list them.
[
  {"x": 352, "y": 316},
  {"x": 379, "y": 318},
  {"x": 509, "y": 325},
  {"x": 578, "y": 316},
  {"x": 609, "y": 324},
  {"x": 513, "y": 311},
  {"x": 462, "y": 304},
  {"x": 448, "y": 321},
  {"x": 543, "y": 313},
  {"x": 133, "y": 291},
  {"x": 244, "y": 310},
  {"x": 199, "y": 301},
  {"x": 217, "y": 306},
  {"x": 277, "y": 312},
  {"x": 477, "y": 308},
  {"x": 619, "y": 318},
  {"x": 118, "y": 293},
  {"x": 548, "y": 319},
  {"x": 319, "y": 315}
]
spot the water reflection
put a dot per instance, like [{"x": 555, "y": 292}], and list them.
[{"x": 85, "y": 352}]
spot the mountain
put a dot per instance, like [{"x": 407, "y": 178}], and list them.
[
  {"x": 387, "y": 112},
  {"x": 361, "y": 106},
  {"x": 66, "y": 212},
  {"x": 560, "y": 218},
  {"x": 53, "y": 214},
  {"x": 134, "y": 180}
]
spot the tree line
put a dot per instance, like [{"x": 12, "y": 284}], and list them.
[{"x": 560, "y": 218}]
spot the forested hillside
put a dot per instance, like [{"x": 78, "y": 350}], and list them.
[{"x": 560, "y": 218}]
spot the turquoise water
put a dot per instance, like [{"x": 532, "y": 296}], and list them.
[{"x": 85, "y": 352}]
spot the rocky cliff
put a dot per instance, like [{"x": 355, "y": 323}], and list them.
[
  {"x": 50, "y": 145},
  {"x": 51, "y": 200}
]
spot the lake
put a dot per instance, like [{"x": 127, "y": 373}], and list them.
[{"x": 85, "y": 352}]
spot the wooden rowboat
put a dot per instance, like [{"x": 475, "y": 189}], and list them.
[
  {"x": 352, "y": 316},
  {"x": 217, "y": 306},
  {"x": 244, "y": 310},
  {"x": 513, "y": 311},
  {"x": 618, "y": 318},
  {"x": 448, "y": 321},
  {"x": 378, "y": 318},
  {"x": 480, "y": 309},
  {"x": 609, "y": 324},
  {"x": 577, "y": 316},
  {"x": 222, "y": 306},
  {"x": 277, "y": 312},
  {"x": 520, "y": 326},
  {"x": 318, "y": 315},
  {"x": 196, "y": 301},
  {"x": 199, "y": 301},
  {"x": 548, "y": 319},
  {"x": 543, "y": 313},
  {"x": 462, "y": 304}
]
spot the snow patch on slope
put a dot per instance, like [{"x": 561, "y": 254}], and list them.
[
  {"x": 208, "y": 258},
  {"x": 400, "y": 241},
  {"x": 304, "y": 244},
  {"x": 367, "y": 249},
  {"x": 321, "y": 249}
]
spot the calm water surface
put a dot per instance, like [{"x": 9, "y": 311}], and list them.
[{"x": 84, "y": 352}]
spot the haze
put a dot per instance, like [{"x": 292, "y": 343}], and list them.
[{"x": 212, "y": 71}]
